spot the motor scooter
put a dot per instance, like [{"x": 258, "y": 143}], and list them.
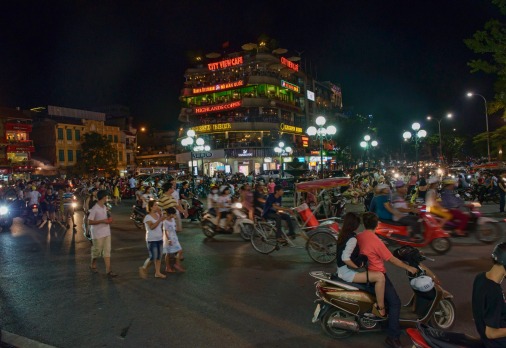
[
  {"x": 433, "y": 235},
  {"x": 240, "y": 223},
  {"x": 6, "y": 217},
  {"x": 344, "y": 309},
  {"x": 137, "y": 216},
  {"x": 32, "y": 214},
  {"x": 485, "y": 229},
  {"x": 425, "y": 336},
  {"x": 196, "y": 210}
]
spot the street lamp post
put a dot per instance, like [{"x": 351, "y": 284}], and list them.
[
  {"x": 440, "y": 140},
  {"x": 417, "y": 135},
  {"x": 365, "y": 144},
  {"x": 280, "y": 150},
  {"x": 486, "y": 120},
  {"x": 194, "y": 144},
  {"x": 321, "y": 133}
]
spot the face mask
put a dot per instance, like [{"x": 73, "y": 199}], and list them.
[{"x": 215, "y": 191}]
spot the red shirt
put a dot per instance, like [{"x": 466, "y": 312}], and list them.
[{"x": 375, "y": 250}]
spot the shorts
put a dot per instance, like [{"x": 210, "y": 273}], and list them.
[
  {"x": 101, "y": 247},
  {"x": 346, "y": 274},
  {"x": 51, "y": 208},
  {"x": 68, "y": 210},
  {"x": 155, "y": 249}
]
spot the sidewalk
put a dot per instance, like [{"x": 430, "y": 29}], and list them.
[{"x": 10, "y": 340}]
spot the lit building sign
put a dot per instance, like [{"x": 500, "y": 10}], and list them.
[
  {"x": 287, "y": 128},
  {"x": 289, "y": 64},
  {"x": 219, "y": 87},
  {"x": 245, "y": 153},
  {"x": 305, "y": 141},
  {"x": 212, "y": 127},
  {"x": 310, "y": 95},
  {"x": 216, "y": 108},
  {"x": 222, "y": 64},
  {"x": 290, "y": 86}
]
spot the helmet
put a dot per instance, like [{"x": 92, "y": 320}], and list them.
[
  {"x": 449, "y": 181},
  {"x": 433, "y": 180},
  {"x": 499, "y": 254},
  {"x": 422, "y": 283}
]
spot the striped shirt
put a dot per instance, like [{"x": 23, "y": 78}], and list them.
[{"x": 167, "y": 201}]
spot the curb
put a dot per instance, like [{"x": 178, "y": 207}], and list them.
[{"x": 10, "y": 339}]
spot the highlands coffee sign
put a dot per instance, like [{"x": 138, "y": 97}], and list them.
[
  {"x": 218, "y": 87},
  {"x": 225, "y": 63},
  {"x": 216, "y": 108}
]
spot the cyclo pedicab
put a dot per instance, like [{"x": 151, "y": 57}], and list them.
[{"x": 320, "y": 236}]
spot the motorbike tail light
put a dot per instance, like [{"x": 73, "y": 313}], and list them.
[{"x": 417, "y": 338}]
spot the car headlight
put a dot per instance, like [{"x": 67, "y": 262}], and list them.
[{"x": 3, "y": 210}]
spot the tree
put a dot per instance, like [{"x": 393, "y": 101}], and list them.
[
  {"x": 497, "y": 140},
  {"x": 97, "y": 155},
  {"x": 490, "y": 43}
]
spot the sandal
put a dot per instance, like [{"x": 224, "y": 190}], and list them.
[
  {"x": 377, "y": 309},
  {"x": 93, "y": 269},
  {"x": 112, "y": 275}
]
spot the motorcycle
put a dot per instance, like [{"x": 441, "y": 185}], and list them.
[
  {"x": 6, "y": 218},
  {"x": 433, "y": 235},
  {"x": 137, "y": 216},
  {"x": 32, "y": 214},
  {"x": 487, "y": 230},
  {"x": 427, "y": 337},
  {"x": 196, "y": 210},
  {"x": 240, "y": 223},
  {"x": 344, "y": 309}
]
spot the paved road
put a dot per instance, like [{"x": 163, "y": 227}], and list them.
[{"x": 230, "y": 295}]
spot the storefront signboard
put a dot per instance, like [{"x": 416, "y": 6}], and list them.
[
  {"x": 245, "y": 153},
  {"x": 216, "y": 108},
  {"x": 290, "y": 86},
  {"x": 18, "y": 127},
  {"x": 305, "y": 141},
  {"x": 212, "y": 127},
  {"x": 288, "y": 128},
  {"x": 289, "y": 64},
  {"x": 218, "y": 87},
  {"x": 222, "y": 64}
]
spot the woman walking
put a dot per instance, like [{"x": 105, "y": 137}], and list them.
[{"x": 154, "y": 240}]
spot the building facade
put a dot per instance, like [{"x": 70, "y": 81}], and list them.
[{"x": 244, "y": 103}]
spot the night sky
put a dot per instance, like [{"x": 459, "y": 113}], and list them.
[{"x": 397, "y": 60}]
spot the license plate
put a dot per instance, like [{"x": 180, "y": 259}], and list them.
[{"x": 316, "y": 313}]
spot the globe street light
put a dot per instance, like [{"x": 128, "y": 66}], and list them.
[
  {"x": 194, "y": 145},
  {"x": 469, "y": 94},
  {"x": 321, "y": 133},
  {"x": 366, "y": 144},
  {"x": 439, "y": 124},
  {"x": 280, "y": 150},
  {"x": 417, "y": 135}
]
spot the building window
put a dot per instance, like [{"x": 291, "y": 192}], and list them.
[
  {"x": 121, "y": 156},
  {"x": 61, "y": 153},
  {"x": 60, "y": 133},
  {"x": 115, "y": 138},
  {"x": 69, "y": 134},
  {"x": 70, "y": 156},
  {"x": 78, "y": 155},
  {"x": 78, "y": 134},
  {"x": 109, "y": 137}
]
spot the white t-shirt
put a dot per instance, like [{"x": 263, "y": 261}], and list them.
[
  {"x": 132, "y": 182},
  {"x": 100, "y": 230},
  {"x": 155, "y": 234},
  {"x": 34, "y": 197},
  {"x": 224, "y": 202},
  {"x": 170, "y": 227}
]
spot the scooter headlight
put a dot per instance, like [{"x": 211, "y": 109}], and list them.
[
  {"x": 3, "y": 210},
  {"x": 237, "y": 205},
  {"x": 74, "y": 205}
]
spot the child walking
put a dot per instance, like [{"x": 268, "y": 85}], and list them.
[{"x": 171, "y": 247}]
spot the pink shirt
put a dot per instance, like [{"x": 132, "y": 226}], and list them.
[
  {"x": 270, "y": 187},
  {"x": 375, "y": 250}
]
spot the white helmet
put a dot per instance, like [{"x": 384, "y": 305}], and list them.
[{"x": 422, "y": 283}]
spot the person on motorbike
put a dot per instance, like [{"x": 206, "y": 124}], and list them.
[
  {"x": 432, "y": 204},
  {"x": 402, "y": 210},
  {"x": 224, "y": 205},
  {"x": 273, "y": 211},
  {"x": 212, "y": 199},
  {"x": 259, "y": 198},
  {"x": 247, "y": 199},
  {"x": 350, "y": 262},
  {"x": 380, "y": 204},
  {"x": 377, "y": 253},
  {"x": 454, "y": 204},
  {"x": 184, "y": 195},
  {"x": 489, "y": 306}
]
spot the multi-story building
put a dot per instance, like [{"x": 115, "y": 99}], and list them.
[
  {"x": 16, "y": 145},
  {"x": 58, "y": 134},
  {"x": 244, "y": 103}
]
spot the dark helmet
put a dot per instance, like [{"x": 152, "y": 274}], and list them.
[{"x": 499, "y": 254}]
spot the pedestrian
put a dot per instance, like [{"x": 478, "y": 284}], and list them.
[
  {"x": 501, "y": 186},
  {"x": 115, "y": 193},
  {"x": 154, "y": 240},
  {"x": 171, "y": 246},
  {"x": 489, "y": 307},
  {"x": 100, "y": 223}
]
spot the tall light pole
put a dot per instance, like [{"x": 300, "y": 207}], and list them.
[
  {"x": 417, "y": 135},
  {"x": 440, "y": 141},
  {"x": 365, "y": 144},
  {"x": 321, "y": 133},
  {"x": 281, "y": 149},
  {"x": 469, "y": 94},
  {"x": 194, "y": 144}
]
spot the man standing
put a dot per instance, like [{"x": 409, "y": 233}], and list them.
[
  {"x": 100, "y": 222},
  {"x": 489, "y": 308},
  {"x": 68, "y": 210}
]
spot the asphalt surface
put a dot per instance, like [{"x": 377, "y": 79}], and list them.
[{"x": 229, "y": 296}]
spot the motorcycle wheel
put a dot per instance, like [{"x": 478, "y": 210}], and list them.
[
  {"x": 208, "y": 230},
  {"x": 321, "y": 247},
  {"x": 246, "y": 231},
  {"x": 444, "y": 315},
  {"x": 441, "y": 245},
  {"x": 263, "y": 238},
  {"x": 138, "y": 223},
  {"x": 488, "y": 232},
  {"x": 199, "y": 215},
  {"x": 333, "y": 331}
]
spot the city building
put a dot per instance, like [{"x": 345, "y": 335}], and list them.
[
  {"x": 58, "y": 134},
  {"x": 245, "y": 102},
  {"x": 16, "y": 145},
  {"x": 157, "y": 149}
]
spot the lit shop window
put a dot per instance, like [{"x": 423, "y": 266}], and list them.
[{"x": 16, "y": 136}]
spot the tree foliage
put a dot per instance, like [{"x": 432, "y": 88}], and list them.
[
  {"x": 97, "y": 155},
  {"x": 497, "y": 140}
]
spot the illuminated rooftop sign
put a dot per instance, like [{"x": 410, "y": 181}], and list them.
[
  {"x": 289, "y": 64},
  {"x": 222, "y": 64},
  {"x": 212, "y": 127},
  {"x": 290, "y": 86},
  {"x": 218, "y": 87},
  {"x": 216, "y": 108}
]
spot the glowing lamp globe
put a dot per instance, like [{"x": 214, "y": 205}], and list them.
[
  {"x": 190, "y": 133},
  {"x": 406, "y": 135},
  {"x": 207, "y": 148},
  {"x": 288, "y": 149},
  {"x": 200, "y": 141},
  {"x": 331, "y": 130},
  {"x": 277, "y": 149},
  {"x": 422, "y": 133},
  {"x": 320, "y": 121},
  {"x": 367, "y": 137},
  {"x": 415, "y": 126},
  {"x": 363, "y": 144},
  {"x": 281, "y": 144},
  {"x": 374, "y": 143},
  {"x": 311, "y": 131}
]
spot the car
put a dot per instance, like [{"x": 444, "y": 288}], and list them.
[{"x": 273, "y": 174}]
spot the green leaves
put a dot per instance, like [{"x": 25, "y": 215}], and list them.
[{"x": 97, "y": 154}]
